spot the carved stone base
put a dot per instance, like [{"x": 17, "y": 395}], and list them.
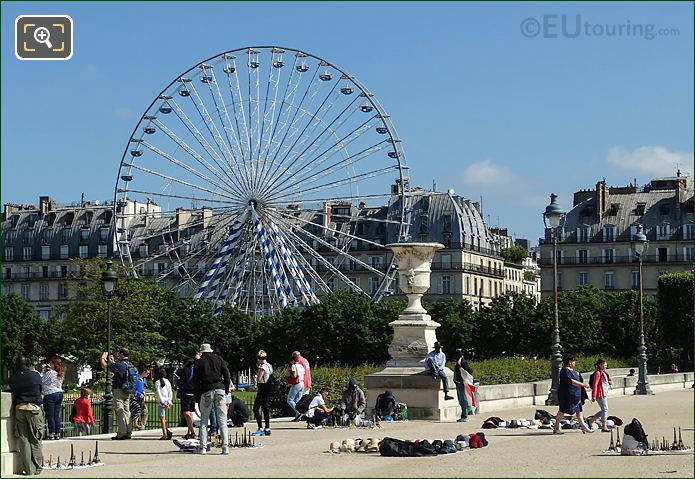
[{"x": 413, "y": 337}]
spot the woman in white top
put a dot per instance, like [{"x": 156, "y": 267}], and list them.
[
  {"x": 165, "y": 396},
  {"x": 265, "y": 369},
  {"x": 52, "y": 387}
]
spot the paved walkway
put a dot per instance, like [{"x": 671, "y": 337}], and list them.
[{"x": 293, "y": 451}]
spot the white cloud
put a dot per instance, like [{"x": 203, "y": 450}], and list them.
[
  {"x": 486, "y": 173},
  {"x": 652, "y": 160}
]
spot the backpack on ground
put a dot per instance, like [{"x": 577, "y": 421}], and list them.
[
  {"x": 302, "y": 405},
  {"x": 129, "y": 380},
  {"x": 400, "y": 448},
  {"x": 636, "y": 430}
]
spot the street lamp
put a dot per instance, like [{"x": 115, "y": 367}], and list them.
[
  {"x": 552, "y": 217},
  {"x": 109, "y": 278},
  {"x": 639, "y": 246}
]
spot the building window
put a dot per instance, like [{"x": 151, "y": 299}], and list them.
[
  {"x": 65, "y": 235},
  {"x": 43, "y": 292},
  {"x": 103, "y": 234},
  {"x": 9, "y": 289},
  {"x": 608, "y": 255},
  {"x": 331, "y": 284},
  {"x": 447, "y": 223},
  {"x": 44, "y": 271},
  {"x": 9, "y": 254},
  {"x": 373, "y": 284},
  {"x": 688, "y": 231},
  {"x": 84, "y": 234},
  {"x": 559, "y": 281},
  {"x": 608, "y": 233},
  {"x": 26, "y": 253},
  {"x": 44, "y": 313},
  {"x": 63, "y": 271},
  {"x": 466, "y": 285},
  {"x": 662, "y": 255},
  {"x": 583, "y": 234},
  {"x": 609, "y": 280},
  {"x": 583, "y": 278},
  {"x": 63, "y": 290},
  {"x": 103, "y": 250},
  {"x": 64, "y": 251},
  {"x": 663, "y": 231},
  {"x": 45, "y": 252},
  {"x": 446, "y": 284},
  {"x": 635, "y": 279},
  {"x": 84, "y": 251},
  {"x": 25, "y": 292},
  {"x": 688, "y": 253},
  {"x": 558, "y": 256},
  {"x": 446, "y": 261},
  {"x": 356, "y": 282},
  {"x": 376, "y": 261},
  {"x": 143, "y": 251},
  {"x": 583, "y": 256}
]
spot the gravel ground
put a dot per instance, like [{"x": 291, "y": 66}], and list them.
[{"x": 293, "y": 451}]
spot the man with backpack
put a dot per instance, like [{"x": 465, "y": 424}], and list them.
[{"x": 124, "y": 384}]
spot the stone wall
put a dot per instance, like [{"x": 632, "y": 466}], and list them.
[{"x": 9, "y": 462}]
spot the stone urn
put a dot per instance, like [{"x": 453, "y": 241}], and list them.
[{"x": 414, "y": 261}]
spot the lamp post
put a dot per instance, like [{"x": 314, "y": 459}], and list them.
[
  {"x": 109, "y": 278},
  {"x": 552, "y": 217},
  {"x": 639, "y": 246}
]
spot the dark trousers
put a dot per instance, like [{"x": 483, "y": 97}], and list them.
[
  {"x": 51, "y": 404},
  {"x": 261, "y": 404},
  {"x": 440, "y": 373},
  {"x": 319, "y": 417}
]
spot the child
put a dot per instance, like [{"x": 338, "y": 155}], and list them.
[{"x": 83, "y": 418}]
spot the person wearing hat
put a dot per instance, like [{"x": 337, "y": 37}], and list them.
[
  {"x": 211, "y": 382},
  {"x": 353, "y": 402},
  {"x": 435, "y": 363}
]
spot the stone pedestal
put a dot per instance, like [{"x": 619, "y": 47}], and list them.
[
  {"x": 413, "y": 337},
  {"x": 9, "y": 462}
]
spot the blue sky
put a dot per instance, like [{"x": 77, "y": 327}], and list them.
[{"x": 481, "y": 108}]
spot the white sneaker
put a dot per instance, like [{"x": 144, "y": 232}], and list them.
[
  {"x": 225, "y": 450},
  {"x": 201, "y": 450}
]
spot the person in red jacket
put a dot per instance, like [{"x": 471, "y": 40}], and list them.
[
  {"x": 600, "y": 383},
  {"x": 83, "y": 418}
]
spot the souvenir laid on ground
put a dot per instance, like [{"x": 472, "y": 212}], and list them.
[
  {"x": 635, "y": 443},
  {"x": 72, "y": 462},
  {"x": 495, "y": 422}
]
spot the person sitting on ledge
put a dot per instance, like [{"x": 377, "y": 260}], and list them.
[{"x": 435, "y": 362}]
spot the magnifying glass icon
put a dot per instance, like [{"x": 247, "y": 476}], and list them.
[{"x": 43, "y": 35}]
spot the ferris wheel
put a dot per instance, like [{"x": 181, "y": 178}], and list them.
[{"x": 262, "y": 177}]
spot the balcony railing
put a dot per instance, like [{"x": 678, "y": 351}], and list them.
[{"x": 671, "y": 258}]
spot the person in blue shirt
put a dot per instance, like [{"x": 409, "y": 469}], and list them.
[
  {"x": 435, "y": 363},
  {"x": 140, "y": 421}
]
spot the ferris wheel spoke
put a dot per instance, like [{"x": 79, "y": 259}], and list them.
[
  {"x": 272, "y": 81},
  {"x": 336, "y": 183},
  {"x": 183, "y": 197},
  {"x": 325, "y": 156},
  {"x": 193, "y": 130},
  {"x": 229, "y": 189},
  {"x": 231, "y": 70}
]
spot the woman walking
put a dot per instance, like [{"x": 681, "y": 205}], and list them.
[
  {"x": 262, "y": 393},
  {"x": 162, "y": 389},
  {"x": 600, "y": 384},
  {"x": 569, "y": 395},
  {"x": 52, "y": 383}
]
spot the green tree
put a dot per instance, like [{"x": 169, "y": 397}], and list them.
[
  {"x": 675, "y": 294},
  {"x": 514, "y": 254},
  {"x": 457, "y": 319},
  {"x": 23, "y": 331},
  {"x": 502, "y": 327}
]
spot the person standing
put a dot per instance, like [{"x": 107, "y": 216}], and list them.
[
  {"x": 435, "y": 363},
  {"x": 141, "y": 422},
  {"x": 600, "y": 384},
  {"x": 25, "y": 385},
  {"x": 121, "y": 397},
  {"x": 186, "y": 396},
  {"x": 296, "y": 382},
  {"x": 569, "y": 395},
  {"x": 265, "y": 369},
  {"x": 463, "y": 374},
  {"x": 84, "y": 417},
  {"x": 165, "y": 397},
  {"x": 211, "y": 382},
  {"x": 307, "y": 370},
  {"x": 52, "y": 383}
]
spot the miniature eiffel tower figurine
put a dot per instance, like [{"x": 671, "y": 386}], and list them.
[
  {"x": 90, "y": 458},
  {"x": 618, "y": 446},
  {"x": 236, "y": 439},
  {"x": 611, "y": 447},
  {"x": 681, "y": 446},
  {"x": 96, "y": 454},
  {"x": 73, "y": 459},
  {"x": 60, "y": 465},
  {"x": 82, "y": 464},
  {"x": 674, "y": 446},
  {"x": 50, "y": 461}
]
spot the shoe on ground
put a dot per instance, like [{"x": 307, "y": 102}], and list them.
[
  {"x": 259, "y": 432},
  {"x": 297, "y": 418},
  {"x": 448, "y": 398},
  {"x": 463, "y": 419},
  {"x": 119, "y": 438},
  {"x": 267, "y": 432},
  {"x": 201, "y": 450},
  {"x": 313, "y": 426},
  {"x": 225, "y": 450}
]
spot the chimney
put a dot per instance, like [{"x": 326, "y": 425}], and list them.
[
  {"x": 44, "y": 204},
  {"x": 82, "y": 200},
  {"x": 207, "y": 215},
  {"x": 601, "y": 199},
  {"x": 681, "y": 191},
  {"x": 182, "y": 216}
]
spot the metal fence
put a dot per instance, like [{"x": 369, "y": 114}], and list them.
[{"x": 173, "y": 415}]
